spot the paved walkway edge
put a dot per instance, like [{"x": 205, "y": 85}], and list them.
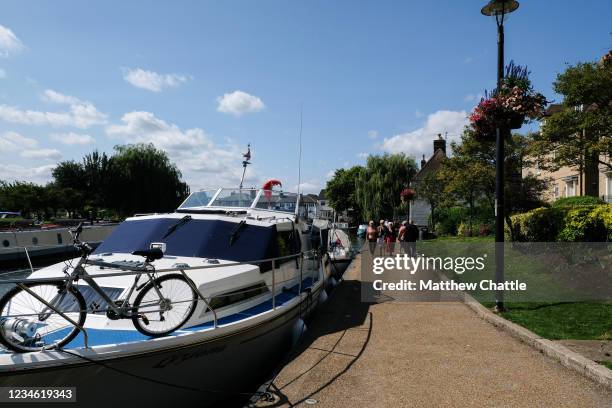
[{"x": 562, "y": 354}]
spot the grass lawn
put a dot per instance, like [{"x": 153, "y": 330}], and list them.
[
  {"x": 553, "y": 319},
  {"x": 578, "y": 321}
]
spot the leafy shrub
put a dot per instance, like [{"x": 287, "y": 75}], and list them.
[
  {"x": 577, "y": 201},
  {"x": 485, "y": 229},
  {"x": 585, "y": 223},
  {"x": 463, "y": 230},
  {"x": 539, "y": 225},
  {"x": 448, "y": 220}
]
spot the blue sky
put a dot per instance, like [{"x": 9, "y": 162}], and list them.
[{"x": 202, "y": 79}]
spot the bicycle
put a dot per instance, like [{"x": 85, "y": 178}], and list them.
[{"x": 27, "y": 323}]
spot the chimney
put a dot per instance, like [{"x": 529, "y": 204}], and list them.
[
  {"x": 423, "y": 162},
  {"x": 439, "y": 143}
]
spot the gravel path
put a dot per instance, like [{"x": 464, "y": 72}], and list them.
[{"x": 420, "y": 354}]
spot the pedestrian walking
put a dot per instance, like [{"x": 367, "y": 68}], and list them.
[
  {"x": 412, "y": 234},
  {"x": 372, "y": 237}
]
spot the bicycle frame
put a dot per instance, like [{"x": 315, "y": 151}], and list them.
[{"x": 79, "y": 272}]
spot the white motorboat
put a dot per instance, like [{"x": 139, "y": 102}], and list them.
[{"x": 248, "y": 254}]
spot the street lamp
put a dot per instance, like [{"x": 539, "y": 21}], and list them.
[{"x": 499, "y": 9}]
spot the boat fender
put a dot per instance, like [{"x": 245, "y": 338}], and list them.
[
  {"x": 323, "y": 297},
  {"x": 299, "y": 328}
]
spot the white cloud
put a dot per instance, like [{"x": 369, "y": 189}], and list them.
[
  {"x": 363, "y": 155},
  {"x": 2, "y": 73},
  {"x": 55, "y": 97},
  {"x": 152, "y": 81},
  {"x": 81, "y": 114},
  {"x": 13, "y": 172},
  {"x": 420, "y": 141},
  {"x": 72, "y": 138},
  {"x": 373, "y": 134},
  {"x": 11, "y": 141},
  {"x": 330, "y": 174},
  {"x": 308, "y": 187},
  {"x": 202, "y": 161},
  {"x": 472, "y": 97},
  {"x": 9, "y": 43},
  {"x": 238, "y": 103},
  {"x": 47, "y": 154}
]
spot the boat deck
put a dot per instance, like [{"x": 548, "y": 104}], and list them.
[{"x": 113, "y": 337}]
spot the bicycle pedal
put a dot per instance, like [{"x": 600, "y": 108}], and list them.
[{"x": 145, "y": 320}]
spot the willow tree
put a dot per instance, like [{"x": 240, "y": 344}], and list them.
[
  {"x": 380, "y": 183},
  {"x": 145, "y": 180}
]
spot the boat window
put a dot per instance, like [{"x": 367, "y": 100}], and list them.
[
  {"x": 198, "y": 199},
  {"x": 235, "y": 198},
  {"x": 287, "y": 245},
  {"x": 59, "y": 238},
  {"x": 236, "y": 296},
  {"x": 197, "y": 238},
  {"x": 5, "y": 243},
  {"x": 277, "y": 200}
]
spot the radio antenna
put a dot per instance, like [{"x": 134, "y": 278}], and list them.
[
  {"x": 300, "y": 152},
  {"x": 245, "y": 163}
]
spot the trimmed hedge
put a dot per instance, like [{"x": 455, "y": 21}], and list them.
[
  {"x": 586, "y": 223},
  {"x": 577, "y": 201}
]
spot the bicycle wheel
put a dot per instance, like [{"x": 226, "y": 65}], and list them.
[
  {"x": 157, "y": 317},
  {"x": 27, "y": 324}
]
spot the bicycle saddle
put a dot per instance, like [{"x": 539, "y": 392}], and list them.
[{"x": 151, "y": 254}]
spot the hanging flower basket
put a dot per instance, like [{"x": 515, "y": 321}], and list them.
[
  {"x": 407, "y": 194},
  {"x": 509, "y": 106}
]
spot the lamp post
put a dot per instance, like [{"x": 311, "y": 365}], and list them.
[{"x": 499, "y": 9}]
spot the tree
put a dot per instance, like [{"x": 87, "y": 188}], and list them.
[
  {"x": 431, "y": 189},
  {"x": 469, "y": 176},
  {"x": 27, "y": 198},
  {"x": 580, "y": 133},
  {"x": 380, "y": 183},
  {"x": 144, "y": 180},
  {"x": 69, "y": 174},
  {"x": 341, "y": 191}
]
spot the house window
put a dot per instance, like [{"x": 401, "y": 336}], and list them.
[
  {"x": 609, "y": 188},
  {"x": 556, "y": 191}
]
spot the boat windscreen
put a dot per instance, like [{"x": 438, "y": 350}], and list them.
[
  {"x": 215, "y": 239},
  {"x": 198, "y": 199},
  {"x": 228, "y": 197}
]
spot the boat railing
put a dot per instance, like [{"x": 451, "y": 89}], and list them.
[{"x": 126, "y": 270}]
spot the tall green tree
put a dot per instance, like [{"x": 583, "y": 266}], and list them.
[
  {"x": 580, "y": 133},
  {"x": 144, "y": 180},
  {"x": 431, "y": 189},
  {"x": 380, "y": 183},
  {"x": 341, "y": 191},
  {"x": 469, "y": 176}
]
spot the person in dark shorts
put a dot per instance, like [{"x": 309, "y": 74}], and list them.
[{"x": 412, "y": 234}]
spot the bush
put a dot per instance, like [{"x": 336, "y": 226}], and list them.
[
  {"x": 539, "y": 225},
  {"x": 449, "y": 220},
  {"x": 463, "y": 230},
  {"x": 577, "y": 201},
  {"x": 585, "y": 223}
]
